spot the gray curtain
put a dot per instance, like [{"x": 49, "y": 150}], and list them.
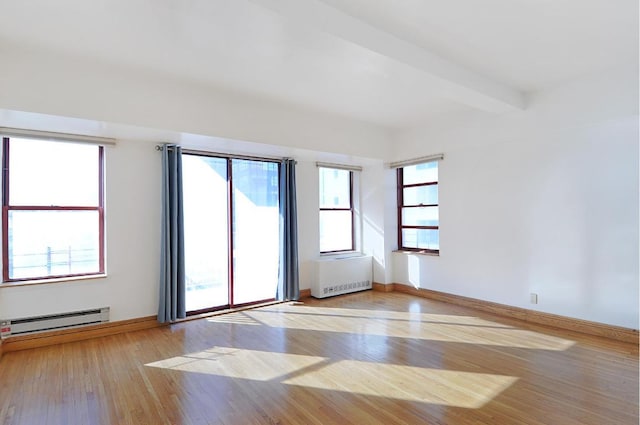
[
  {"x": 172, "y": 280},
  {"x": 288, "y": 281}
]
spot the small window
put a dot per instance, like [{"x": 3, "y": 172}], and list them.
[
  {"x": 418, "y": 216},
  {"x": 336, "y": 210},
  {"x": 53, "y": 209}
]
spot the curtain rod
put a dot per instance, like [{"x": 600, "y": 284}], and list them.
[
  {"x": 52, "y": 135},
  {"x": 421, "y": 160},
  {"x": 227, "y": 155}
]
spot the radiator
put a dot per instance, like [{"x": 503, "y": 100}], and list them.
[
  {"x": 28, "y": 325},
  {"x": 341, "y": 276}
]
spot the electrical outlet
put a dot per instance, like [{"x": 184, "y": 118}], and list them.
[{"x": 533, "y": 298}]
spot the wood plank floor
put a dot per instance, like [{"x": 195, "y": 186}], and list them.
[{"x": 367, "y": 358}]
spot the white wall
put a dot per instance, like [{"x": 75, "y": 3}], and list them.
[
  {"x": 544, "y": 201},
  {"x": 308, "y": 219},
  {"x": 132, "y": 232},
  {"x": 133, "y": 240},
  {"x": 48, "y": 91},
  {"x": 45, "y": 82},
  {"x": 373, "y": 190},
  {"x": 369, "y": 232}
]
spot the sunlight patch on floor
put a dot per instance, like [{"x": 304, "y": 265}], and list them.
[
  {"x": 435, "y": 386},
  {"x": 240, "y": 363},
  {"x": 408, "y": 325},
  {"x": 235, "y": 318},
  {"x": 383, "y": 314}
]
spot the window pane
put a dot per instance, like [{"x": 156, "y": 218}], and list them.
[
  {"x": 421, "y": 238},
  {"x": 426, "y": 195},
  {"x": 256, "y": 230},
  {"x": 205, "y": 227},
  {"x": 335, "y": 231},
  {"x": 335, "y": 188},
  {"x": 420, "y": 216},
  {"x": 53, "y": 243},
  {"x": 420, "y": 173},
  {"x": 45, "y": 173}
]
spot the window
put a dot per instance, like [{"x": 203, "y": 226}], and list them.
[
  {"x": 418, "y": 218},
  {"x": 336, "y": 210},
  {"x": 53, "y": 209}
]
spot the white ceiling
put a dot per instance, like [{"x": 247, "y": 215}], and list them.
[
  {"x": 394, "y": 63},
  {"x": 526, "y": 44}
]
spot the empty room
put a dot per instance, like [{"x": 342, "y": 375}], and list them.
[{"x": 319, "y": 212}]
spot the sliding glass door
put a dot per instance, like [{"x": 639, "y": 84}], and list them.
[
  {"x": 231, "y": 231},
  {"x": 255, "y": 230},
  {"x": 205, "y": 227}
]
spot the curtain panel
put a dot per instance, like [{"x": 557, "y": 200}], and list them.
[
  {"x": 172, "y": 272},
  {"x": 288, "y": 278}
]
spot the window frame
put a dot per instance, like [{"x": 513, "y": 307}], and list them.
[
  {"x": 6, "y": 207},
  {"x": 400, "y": 206},
  {"x": 351, "y": 209}
]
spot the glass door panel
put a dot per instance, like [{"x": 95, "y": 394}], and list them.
[
  {"x": 206, "y": 230},
  {"x": 256, "y": 246}
]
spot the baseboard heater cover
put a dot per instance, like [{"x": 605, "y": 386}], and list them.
[
  {"x": 27, "y": 325},
  {"x": 341, "y": 276}
]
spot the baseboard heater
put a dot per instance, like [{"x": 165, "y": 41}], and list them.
[
  {"x": 341, "y": 276},
  {"x": 50, "y": 322}
]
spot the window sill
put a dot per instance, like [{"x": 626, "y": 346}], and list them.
[
  {"x": 340, "y": 255},
  {"x": 56, "y": 280},
  {"x": 409, "y": 251}
]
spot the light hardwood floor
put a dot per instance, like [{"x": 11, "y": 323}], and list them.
[{"x": 367, "y": 358}]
